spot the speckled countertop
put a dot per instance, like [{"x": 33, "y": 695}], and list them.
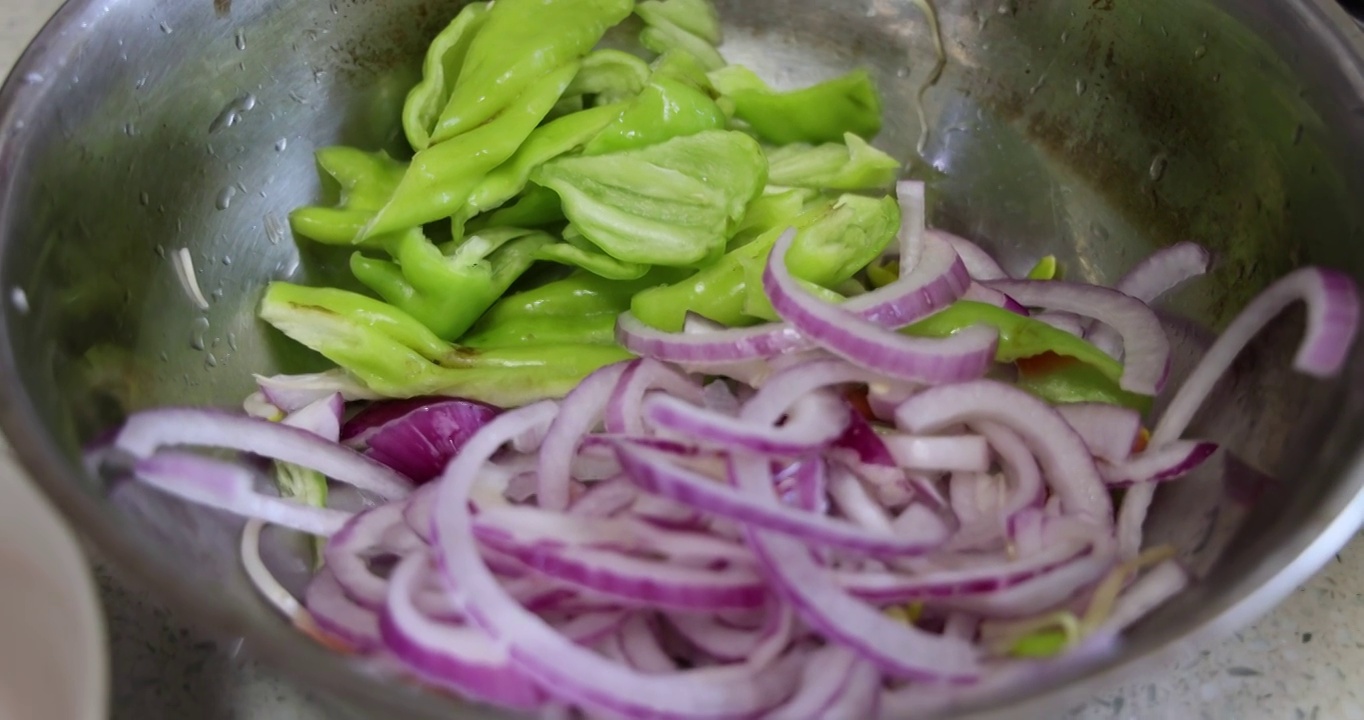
[{"x": 1304, "y": 660}]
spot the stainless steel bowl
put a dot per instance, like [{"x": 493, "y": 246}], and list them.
[{"x": 1092, "y": 129}]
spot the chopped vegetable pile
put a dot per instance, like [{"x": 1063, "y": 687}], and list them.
[{"x": 767, "y": 446}]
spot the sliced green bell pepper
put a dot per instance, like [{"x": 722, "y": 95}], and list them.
[
  {"x": 817, "y": 114},
  {"x": 850, "y": 165},
  {"x": 665, "y": 109},
  {"x": 689, "y": 26},
  {"x": 447, "y": 294},
  {"x": 674, "y": 203},
  {"x": 365, "y": 180},
  {"x": 444, "y": 60}
]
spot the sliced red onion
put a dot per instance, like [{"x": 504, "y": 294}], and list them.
[
  {"x": 229, "y": 486},
  {"x": 639, "y": 644},
  {"x": 893, "y": 588},
  {"x": 592, "y": 627},
  {"x": 1109, "y": 431},
  {"x": 416, "y": 437},
  {"x": 983, "y": 294},
  {"x": 961, "y": 625},
  {"x": 719, "y": 397},
  {"x": 149, "y": 430},
  {"x": 1159, "y": 584},
  {"x": 646, "y": 583},
  {"x": 1068, "y": 466},
  {"x": 321, "y": 418},
  {"x": 862, "y": 439},
  {"x": 964, "y": 355},
  {"x": 1332, "y": 320},
  {"x": 835, "y": 684},
  {"x": 461, "y": 657},
  {"x": 913, "y": 221},
  {"x": 855, "y": 504},
  {"x": 572, "y": 673},
  {"x": 655, "y": 472},
  {"x": 938, "y": 452},
  {"x": 898, "y": 649},
  {"x": 623, "y": 413},
  {"x": 1064, "y": 321},
  {"x": 804, "y": 484},
  {"x": 1168, "y": 462},
  {"x": 758, "y": 647},
  {"x": 375, "y": 532},
  {"x": 1146, "y": 350},
  {"x": 581, "y": 410},
  {"x": 1018, "y": 463},
  {"x": 294, "y": 392},
  {"x": 604, "y": 499},
  {"x": 979, "y": 263},
  {"x": 1159, "y": 273},
  {"x": 814, "y": 422},
  {"x": 532, "y": 528},
  {"x": 337, "y": 616},
  {"x": 977, "y": 499}
]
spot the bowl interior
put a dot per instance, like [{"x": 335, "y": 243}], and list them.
[{"x": 1096, "y": 131}]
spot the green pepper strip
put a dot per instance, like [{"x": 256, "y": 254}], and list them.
[
  {"x": 396, "y": 356},
  {"x": 366, "y": 181},
  {"x": 444, "y": 59},
  {"x": 441, "y": 178},
  {"x": 818, "y": 114},
  {"x": 447, "y": 294},
  {"x": 522, "y": 42}
]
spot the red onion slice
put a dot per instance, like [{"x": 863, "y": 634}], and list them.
[
  {"x": 149, "y": 430},
  {"x": 294, "y": 392},
  {"x": 623, "y": 413},
  {"x": 942, "y": 452},
  {"x": 1332, "y": 320},
  {"x": 1068, "y": 466},
  {"x": 1146, "y": 350},
  {"x": 1159, "y": 584},
  {"x": 835, "y": 683},
  {"x": 322, "y": 417},
  {"x": 897, "y": 649},
  {"x": 572, "y": 673},
  {"x": 581, "y": 410},
  {"x": 813, "y": 423},
  {"x": 378, "y": 531},
  {"x": 1018, "y": 463},
  {"x": 913, "y": 221},
  {"x": 1109, "y": 431},
  {"x": 1159, "y": 273},
  {"x": 980, "y": 264},
  {"x": 229, "y": 486},
  {"x": 461, "y": 657},
  {"x": 1169, "y": 462},
  {"x": 983, "y": 294},
  {"x": 358, "y": 627},
  {"x": 418, "y": 436},
  {"x": 654, "y": 472},
  {"x": 758, "y": 647},
  {"x": 966, "y": 354}
]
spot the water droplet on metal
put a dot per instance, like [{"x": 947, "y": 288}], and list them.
[
  {"x": 226, "y": 119},
  {"x": 1158, "y": 167},
  {"x": 144, "y": 198},
  {"x": 164, "y": 357},
  {"x": 227, "y": 260},
  {"x": 1065, "y": 35},
  {"x": 902, "y": 72},
  {"x": 1080, "y": 86},
  {"x": 281, "y": 144},
  {"x": 246, "y": 102},
  {"x": 141, "y": 83},
  {"x": 224, "y": 199},
  {"x": 232, "y": 341},
  {"x": 1297, "y": 134},
  {"x": 160, "y": 250},
  {"x": 274, "y": 228},
  {"x": 334, "y": 8},
  {"x": 20, "y": 300},
  {"x": 210, "y": 361},
  {"x": 33, "y": 78},
  {"x": 166, "y": 29},
  {"x": 241, "y": 39},
  {"x": 1199, "y": 52},
  {"x": 198, "y": 329},
  {"x": 1040, "y": 82},
  {"x": 129, "y": 129},
  {"x": 217, "y": 294}
]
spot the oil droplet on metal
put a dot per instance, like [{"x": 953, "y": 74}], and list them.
[
  {"x": 224, "y": 199},
  {"x": 1158, "y": 167}
]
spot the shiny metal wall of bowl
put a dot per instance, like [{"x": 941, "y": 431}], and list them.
[{"x": 1092, "y": 129}]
